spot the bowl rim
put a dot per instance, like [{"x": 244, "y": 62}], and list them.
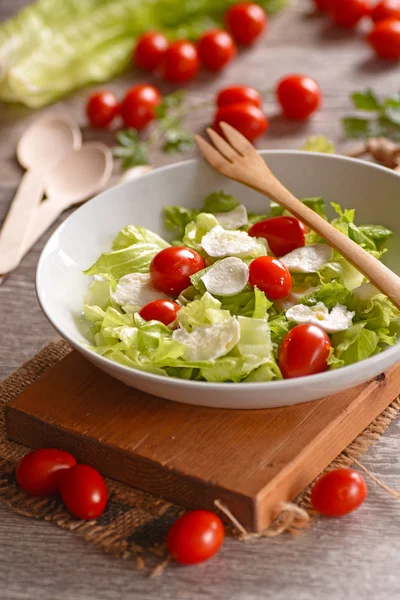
[{"x": 283, "y": 384}]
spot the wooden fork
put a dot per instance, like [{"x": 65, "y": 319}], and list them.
[{"x": 239, "y": 160}]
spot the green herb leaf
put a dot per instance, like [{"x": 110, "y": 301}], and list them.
[
  {"x": 366, "y": 100},
  {"x": 177, "y": 140},
  {"x": 131, "y": 150},
  {"x": 171, "y": 101}
]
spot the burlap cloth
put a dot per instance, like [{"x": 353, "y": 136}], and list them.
[{"x": 134, "y": 521}]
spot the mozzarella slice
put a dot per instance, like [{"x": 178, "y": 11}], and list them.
[
  {"x": 135, "y": 290},
  {"x": 219, "y": 243},
  {"x": 233, "y": 219},
  {"x": 295, "y": 295},
  {"x": 366, "y": 291},
  {"x": 338, "y": 319},
  {"x": 227, "y": 277},
  {"x": 210, "y": 342},
  {"x": 308, "y": 259}
]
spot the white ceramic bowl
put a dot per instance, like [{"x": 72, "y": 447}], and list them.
[{"x": 372, "y": 190}]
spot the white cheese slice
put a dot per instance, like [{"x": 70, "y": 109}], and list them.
[
  {"x": 338, "y": 319},
  {"x": 209, "y": 342},
  {"x": 227, "y": 277},
  {"x": 366, "y": 291},
  {"x": 135, "y": 290},
  {"x": 233, "y": 219},
  {"x": 219, "y": 243},
  {"x": 294, "y": 297},
  {"x": 308, "y": 259}
]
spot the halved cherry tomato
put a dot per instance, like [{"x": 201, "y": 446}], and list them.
[
  {"x": 170, "y": 269},
  {"x": 385, "y": 39},
  {"x": 271, "y": 276},
  {"x": 160, "y": 310},
  {"x": 283, "y": 234},
  {"x": 84, "y": 492},
  {"x": 39, "y": 472},
  {"x": 386, "y": 9},
  {"x": 347, "y": 13},
  {"x": 246, "y": 21},
  {"x": 304, "y": 351},
  {"x": 195, "y": 537},
  {"x": 236, "y": 94},
  {"x": 246, "y": 118},
  {"x": 338, "y": 492},
  {"x": 299, "y": 96},
  {"x": 216, "y": 49},
  {"x": 138, "y": 106},
  {"x": 102, "y": 108},
  {"x": 150, "y": 50},
  {"x": 180, "y": 62}
]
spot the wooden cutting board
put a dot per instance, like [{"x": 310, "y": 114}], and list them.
[{"x": 251, "y": 460}]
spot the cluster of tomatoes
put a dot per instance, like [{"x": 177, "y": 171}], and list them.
[{"x": 384, "y": 36}]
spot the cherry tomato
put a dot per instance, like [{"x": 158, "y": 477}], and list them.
[
  {"x": 101, "y": 109},
  {"x": 299, "y": 96},
  {"x": 150, "y": 50},
  {"x": 246, "y": 118},
  {"x": 347, "y": 13},
  {"x": 181, "y": 62},
  {"x": 246, "y": 21},
  {"x": 385, "y": 38},
  {"x": 195, "y": 537},
  {"x": 304, "y": 351},
  {"x": 39, "y": 472},
  {"x": 386, "y": 9},
  {"x": 216, "y": 49},
  {"x": 160, "y": 310},
  {"x": 170, "y": 269},
  {"x": 271, "y": 276},
  {"x": 283, "y": 234},
  {"x": 321, "y": 5},
  {"x": 338, "y": 492},
  {"x": 237, "y": 94},
  {"x": 138, "y": 106},
  {"x": 84, "y": 492}
]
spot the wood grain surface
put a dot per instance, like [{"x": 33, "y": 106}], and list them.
[{"x": 352, "y": 558}]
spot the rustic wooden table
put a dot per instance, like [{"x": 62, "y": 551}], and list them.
[{"x": 354, "y": 557}]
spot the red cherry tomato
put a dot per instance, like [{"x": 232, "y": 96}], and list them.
[
  {"x": 246, "y": 118},
  {"x": 246, "y": 21},
  {"x": 237, "y": 94},
  {"x": 386, "y": 9},
  {"x": 101, "y": 109},
  {"x": 271, "y": 276},
  {"x": 160, "y": 310},
  {"x": 39, "y": 472},
  {"x": 321, "y": 5},
  {"x": 347, "y": 13},
  {"x": 195, "y": 537},
  {"x": 170, "y": 269},
  {"x": 150, "y": 50},
  {"x": 216, "y": 49},
  {"x": 299, "y": 96},
  {"x": 338, "y": 492},
  {"x": 84, "y": 492},
  {"x": 385, "y": 38},
  {"x": 181, "y": 62},
  {"x": 304, "y": 351},
  {"x": 283, "y": 234},
  {"x": 138, "y": 106}
]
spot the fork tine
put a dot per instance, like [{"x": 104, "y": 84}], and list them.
[
  {"x": 236, "y": 139},
  {"x": 211, "y": 154},
  {"x": 222, "y": 145}
]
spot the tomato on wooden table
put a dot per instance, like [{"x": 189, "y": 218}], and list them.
[
  {"x": 160, "y": 310},
  {"x": 150, "y": 50},
  {"x": 246, "y": 21},
  {"x": 299, "y": 96},
  {"x": 170, "y": 269},
  {"x": 304, "y": 351},
  {"x": 249, "y": 120},
  {"x": 283, "y": 234},
  {"x": 195, "y": 537},
  {"x": 385, "y": 39},
  {"x": 84, "y": 492},
  {"x": 386, "y": 9},
  {"x": 138, "y": 106},
  {"x": 180, "y": 62},
  {"x": 347, "y": 13},
  {"x": 39, "y": 472},
  {"x": 237, "y": 94},
  {"x": 321, "y": 5},
  {"x": 338, "y": 492},
  {"x": 216, "y": 49},
  {"x": 271, "y": 276},
  {"x": 102, "y": 108}
]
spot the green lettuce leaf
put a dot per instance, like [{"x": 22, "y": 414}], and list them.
[
  {"x": 204, "y": 311},
  {"x": 177, "y": 218},
  {"x": 195, "y": 231},
  {"x": 355, "y": 344},
  {"x": 219, "y": 202}
]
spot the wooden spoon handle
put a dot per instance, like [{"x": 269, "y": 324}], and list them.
[{"x": 46, "y": 214}]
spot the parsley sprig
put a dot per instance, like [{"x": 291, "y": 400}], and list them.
[{"x": 380, "y": 118}]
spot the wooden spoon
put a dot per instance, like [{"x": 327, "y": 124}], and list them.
[{"x": 239, "y": 160}]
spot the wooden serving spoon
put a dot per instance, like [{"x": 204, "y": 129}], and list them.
[{"x": 239, "y": 160}]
